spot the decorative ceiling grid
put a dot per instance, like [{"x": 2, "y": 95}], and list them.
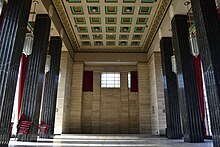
[{"x": 112, "y": 25}]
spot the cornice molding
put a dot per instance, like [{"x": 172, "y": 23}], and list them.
[
  {"x": 156, "y": 23},
  {"x": 66, "y": 24}
]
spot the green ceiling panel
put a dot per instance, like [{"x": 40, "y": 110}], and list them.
[
  {"x": 94, "y": 9},
  {"x": 125, "y": 29},
  {"x": 135, "y": 43},
  {"x": 110, "y": 29},
  {"x": 123, "y": 43},
  {"x": 111, "y": 1},
  {"x": 96, "y": 29},
  {"x": 74, "y": 1},
  {"x": 129, "y": 1},
  {"x": 97, "y": 36},
  {"x": 110, "y": 20},
  {"x": 139, "y": 29},
  {"x": 126, "y": 20},
  {"x": 110, "y": 10},
  {"x": 76, "y": 10},
  {"x": 98, "y": 43},
  {"x": 95, "y": 20},
  {"x": 84, "y": 36},
  {"x": 141, "y": 20},
  {"x": 82, "y": 29},
  {"x": 128, "y": 10},
  {"x": 110, "y": 37},
  {"x": 86, "y": 43},
  {"x": 80, "y": 20},
  {"x": 145, "y": 10},
  {"x": 110, "y": 43},
  {"x": 92, "y": 1},
  {"x": 123, "y": 37},
  {"x": 148, "y": 1},
  {"x": 137, "y": 37}
]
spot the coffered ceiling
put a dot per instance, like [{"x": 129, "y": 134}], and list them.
[{"x": 111, "y": 25}]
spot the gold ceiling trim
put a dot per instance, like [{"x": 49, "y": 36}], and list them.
[
  {"x": 66, "y": 24},
  {"x": 156, "y": 23}
]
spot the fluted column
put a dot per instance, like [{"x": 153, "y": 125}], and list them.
[
  {"x": 208, "y": 34},
  {"x": 12, "y": 35},
  {"x": 35, "y": 75},
  {"x": 51, "y": 86},
  {"x": 188, "y": 91},
  {"x": 170, "y": 91}
]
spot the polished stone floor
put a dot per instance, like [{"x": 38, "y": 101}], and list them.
[{"x": 108, "y": 140}]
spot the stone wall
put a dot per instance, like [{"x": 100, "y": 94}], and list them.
[
  {"x": 114, "y": 110},
  {"x": 110, "y": 110}
]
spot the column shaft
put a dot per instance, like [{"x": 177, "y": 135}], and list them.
[
  {"x": 170, "y": 90},
  {"x": 51, "y": 86},
  {"x": 188, "y": 91},
  {"x": 35, "y": 75},
  {"x": 12, "y": 35},
  {"x": 208, "y": 34}
]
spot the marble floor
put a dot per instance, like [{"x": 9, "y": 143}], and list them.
[{"x": 107, "y": 140}]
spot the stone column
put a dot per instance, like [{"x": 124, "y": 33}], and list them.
[
  {"x": 96, "y": 103},
  {"x": 144, "y": 99},
  {"x": 12, "y": 34},
  {"x": 208, "y": 34},
  {"x": 188, "y": 91},
  {"x": 157, "y": 102},
  {"x": 170, "y": 90},
  {"x": 51, "y": 86},
  {"x": 35, "y": 75},
  {"x": 124, "y": 104},
  {"x": 64, "y": 96},
  {"x": 76, "y": 101}
]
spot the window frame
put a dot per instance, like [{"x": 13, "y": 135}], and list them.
[{"x": 110, "y": 80}]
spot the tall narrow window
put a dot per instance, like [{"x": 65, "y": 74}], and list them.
[
  {"x": 110, "y": 80},
  {"x": 129, "y": 80}
]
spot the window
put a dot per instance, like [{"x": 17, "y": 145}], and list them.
[
  {"x": 110, "y": 80},
  {"x": 129, "y": 79}
]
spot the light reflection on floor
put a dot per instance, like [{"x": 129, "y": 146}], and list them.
[{"x": 108, "y": 140}]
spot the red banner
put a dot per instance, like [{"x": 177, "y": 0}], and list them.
[
  {"x": 23, "y": 72},
  {"x": 134, "y": 81},
  {"x": 88, "y": 81},
  {"x": 198, "y": 70}
]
